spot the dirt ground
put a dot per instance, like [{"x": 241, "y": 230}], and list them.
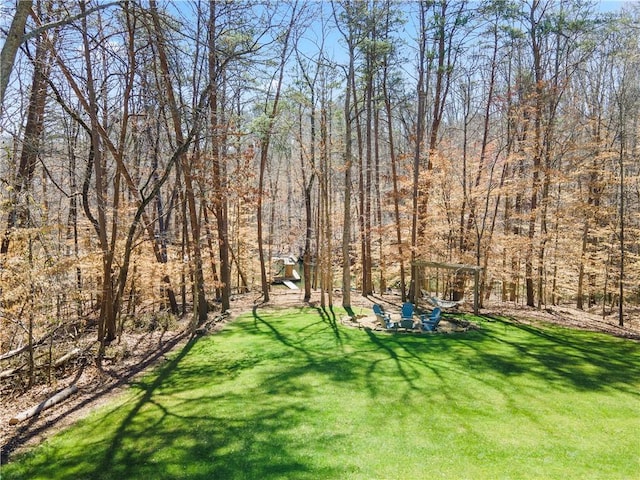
[{"x": 144, "y": 350}]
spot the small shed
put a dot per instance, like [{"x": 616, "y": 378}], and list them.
[{"x": 285, "y": 269}]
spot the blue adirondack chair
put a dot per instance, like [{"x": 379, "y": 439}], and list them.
[
  {"x": 407, "y": 311},
  {"x": 384, "y": 318},
  {"x": 407, "y": 323},
  {"x": 406, "y": 316},
  {"x": 430, "y": 322}
]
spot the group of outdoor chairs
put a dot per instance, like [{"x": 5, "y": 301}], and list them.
[{"x": 427, "y": 322}]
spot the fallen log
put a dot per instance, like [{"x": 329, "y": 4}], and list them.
[
  {"x": 26, "y": 347},
  {"x": 68, "y": 356},
  {"x": 50, "y": 402},
  {"x": 11, "y": 372},
  {"x": 13, "y": 353},
  {"x": 59, "y": 362}
]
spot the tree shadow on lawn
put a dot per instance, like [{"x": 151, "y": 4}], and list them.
[
  {"x": 564, "y": 357},
  {"x": 327, "y": 318},
  {"x": 32, "y": 429},
  {"x": 249, "y": 443},
  {"x": 577, "y": 359},
  {"x": 148, "y": 390},
  {"x": 345, "y": 359},
  {"x": 406, "y": 365},
  {"x": 215, "y": 443},
  {"x": 324, "y": 358},
  {"x": 172, "y": 430}
]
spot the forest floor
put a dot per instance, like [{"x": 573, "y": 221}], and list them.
[{"x": 98, "y": 386}]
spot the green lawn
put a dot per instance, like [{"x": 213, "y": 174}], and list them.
[{"x": 293, "y": 394}]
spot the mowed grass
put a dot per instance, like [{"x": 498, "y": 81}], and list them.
[{"x": 293, "y": 394}]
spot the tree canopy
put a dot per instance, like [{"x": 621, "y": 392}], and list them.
[{"x": 157, "y": 156}]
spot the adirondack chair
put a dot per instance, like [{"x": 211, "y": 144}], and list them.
[
  {"x": 430, "y": 322},
  {"x": 384, "y": 318},
  {"x": 406, "y": 316},
  {"x": 407, "y": 323},
  {"x": 407, "y": 311}
]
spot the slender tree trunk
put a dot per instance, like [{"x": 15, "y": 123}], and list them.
[
  {"x": 537, "y": 151},
  {"x": 308, "y": 178},
  {"x": 264, "y": 152},
  {"x": 306, "y": 256},
  {"x": 221, "y": 206},
  {"x": 327, "y": 278},
  {"x": 199, "y": 297},
  {"x": 163, "y": 229},
  {"x": 19, "y": 214},
  {"x": 107, "y": 322},
  {"x": 378, "y": 201},
  {"x": 421, "y": 91},
  {"x": 209, "y": 236},
  {"x": 622, "y": 220},
  {"x": 263, "y": 271},
  {"x": 348, "y": 160},
  {"x": 544, "y": 230},
  {"x": 12, "y": 45},
  {"x": 396, "y": 194},
  {"x": 72, "y": 219},
  {"x": 367, "y": 162}
]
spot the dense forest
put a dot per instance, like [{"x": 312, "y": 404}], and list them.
[{"x": 158, "y": 156}]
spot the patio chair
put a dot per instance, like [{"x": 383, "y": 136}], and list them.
[
  {"x": 407, "y": 324},
  {"x": 384, "y": 318},
  {"x": 407, "y": 311},
  {"x": 406, "y": 316},
  {"x": 430, "y": 323}
]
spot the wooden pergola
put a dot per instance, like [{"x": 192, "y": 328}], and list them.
[{"x": 459, "y": 267}]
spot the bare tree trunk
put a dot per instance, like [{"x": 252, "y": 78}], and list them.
[
  {"x": 264, "y": 152},
  {"x": 348, "y": 160},
  {"x": 221, "y": 205},
  {"x": 107, "y": 323},
  {"x": 19, "y": 214},
  {"x": 209, "y": 236},
  {"x": 421, "y": 90},
  {"x": 537, "y": 150},
  {"x": 263, "y": 271},
  {"x": 12, "y": 44},
  {"x": 544, "y": 232},
  {"x": 163, "y": 230},
  {"x": 367, "y": 166},
  {"x": 378, "y": 202},
  {"x": 243, "y": 285},
  {"x": 622, "y": 220},
  {"x": 555, "y": 298},
  {"x": 72, "y": 219},
  {"x": 396, "y": 194},
  {"x": 308, "y": 178},
  {"x": 199, "y": 300},
  {"x": 325, "y": 206}
]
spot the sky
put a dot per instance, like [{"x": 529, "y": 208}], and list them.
[{"x": 614, "y": 5}]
